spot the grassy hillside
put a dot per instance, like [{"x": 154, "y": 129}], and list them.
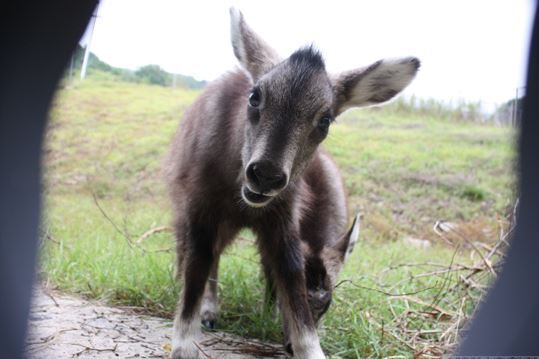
[
  {"x": 149, "y": 74},
  {"x": 103, "y": 191}
]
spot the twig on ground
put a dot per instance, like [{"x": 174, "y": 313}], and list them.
[
  {"x": 381, "y": 291},
  {"x": 202, "y": 350},
  {"x": 502, "y": 240},
  {"x": 434, "y": 328},
  {"x": 447, "y": 270},
  {"x": 88, "y": 349},
  {"x": 442, "y": 312},
  {"x": 51, "y": 297},
  {"x": 150, "y": 232},
  {"x": 245, "y": 346},
  {"x": 161, "y": 250},
  {"x": 49, "y": 238},
  {"x": 124, "y": 234},
  {"x": 394, "y": 335},
  {"x": 48, "y": 339}
]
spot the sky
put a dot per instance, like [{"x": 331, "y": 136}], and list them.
[{"x": 469, "y": 49}]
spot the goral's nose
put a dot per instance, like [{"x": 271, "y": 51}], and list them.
[{"x": 264, "y": 176}]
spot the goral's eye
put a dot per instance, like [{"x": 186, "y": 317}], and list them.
[
  {"x": 324, "y": 122},
  {"x": 254, "y": 98}
]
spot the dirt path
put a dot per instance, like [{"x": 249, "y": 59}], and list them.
[{"x": 63, "y": 326}]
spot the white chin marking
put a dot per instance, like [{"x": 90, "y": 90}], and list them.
[{"x": 253, "y": 204}]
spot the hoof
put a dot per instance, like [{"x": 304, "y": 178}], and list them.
[
  {"x": 208, "y": 317},
  {"x": 209, "y": 323},
  {"x": 185, "y": 353},
  {"x": 288, "y": 349}
]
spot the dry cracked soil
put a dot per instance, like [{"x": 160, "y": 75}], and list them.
[{"x": 65, "y": 326}]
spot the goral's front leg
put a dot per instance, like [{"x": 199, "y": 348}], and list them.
[
  {"x": 284, "y": 254},
  {"x": 198, "y": 260}
]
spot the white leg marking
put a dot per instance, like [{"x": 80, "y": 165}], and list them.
[
  {"x": 186, "y": 334},
  {"x": 307, "y": 346}
]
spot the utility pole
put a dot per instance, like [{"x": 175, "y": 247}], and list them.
[{"x": 91, "y": 27}]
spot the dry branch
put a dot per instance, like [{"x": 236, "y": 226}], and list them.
[
  {"x": 125, "y": 235},
  {"x": 150, "y": 232},
  {"x": 432, "y": 327}
]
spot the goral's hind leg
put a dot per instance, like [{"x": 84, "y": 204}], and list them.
[
  {"x": 269, "y": 293},
  {"x": 210, "y": 302}
]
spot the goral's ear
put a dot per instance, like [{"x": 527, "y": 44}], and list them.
[
  {"x": 348, "y": 241},
  {"x": 373, "y": 84},
  {"x": 253, "y": 53}
]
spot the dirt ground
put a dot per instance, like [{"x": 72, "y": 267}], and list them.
[{"x": 63, "y": 326}]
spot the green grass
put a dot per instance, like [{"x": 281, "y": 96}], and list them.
[{"x": 104, "y": 150}]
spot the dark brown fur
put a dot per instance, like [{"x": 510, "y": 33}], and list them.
[
  {"x": 205, "y": 173},
  {"x": 247, "y": 154}
]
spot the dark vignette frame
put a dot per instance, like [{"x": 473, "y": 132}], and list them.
[{"x": 36, "y": 42}]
